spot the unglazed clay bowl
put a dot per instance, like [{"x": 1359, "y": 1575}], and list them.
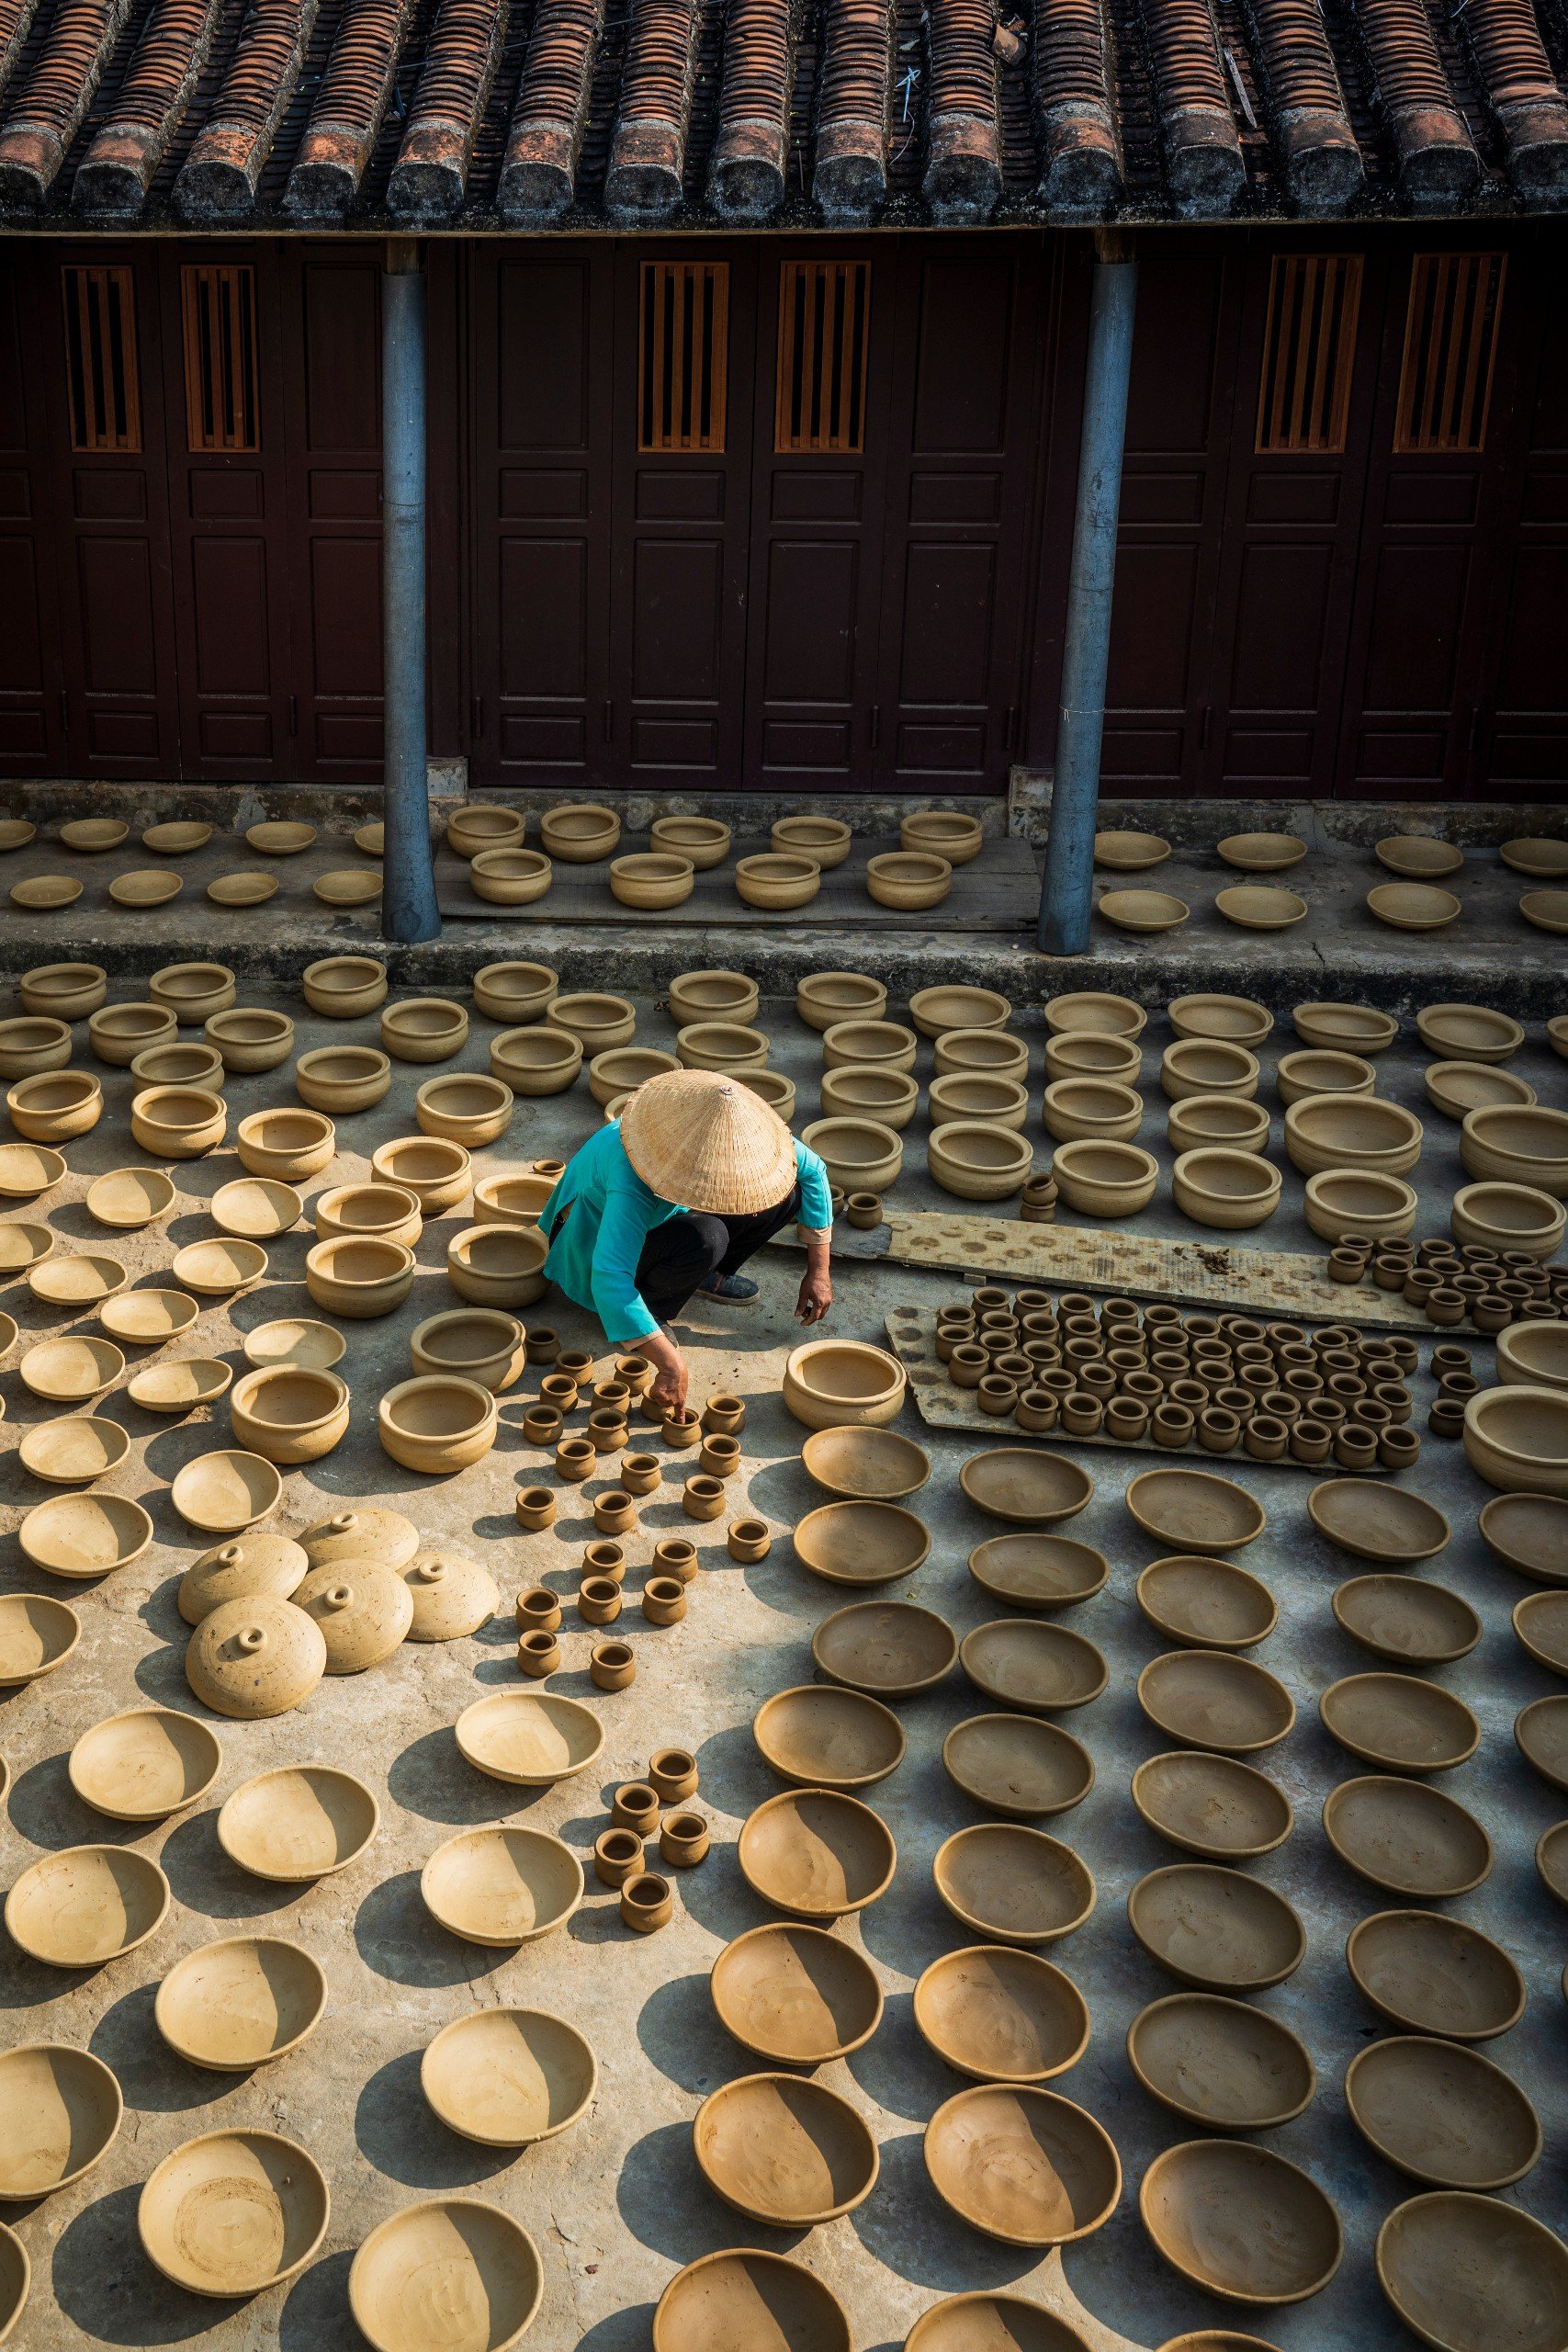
[
  {"x": 250, "y": 1037},
  {"x": 177, "y": 1122},
  {"x": 1012, "y": 1884},
  {"x": 1214, "y": 1806},
  {"x": 860, "y": 1543},
  {"x": 890, "y": 1648},
  {"x": 81, "y": 1280},
  {"x": 1540, "y": 1624},
  {"x": 864, "y": 1464},
  {"x": 749, "y": 2301},
  {"x": 35, "y": 1636},
  {"x": 1349, "y": 1200},
  {"x": 703, "y": 841},
  {"x": 1000, "y": 2015},
  {"x": 360, "y": 1275},
  {"x": 1412, "y": 1840},
  {"x": 288, "y": 1416},
  {"x": 297, "y": 1822},
  {"x": 438, "y": 1172},
  {"x": 530, "y": 1737},
  {"x": 1356, "y": 1131},
  {"x": 1374, "y": 1522},
  {"x": 59, "y": 2110},
  {"x": 473, "y": 1343},
  {"x": 67, "y": 1372},
  {"x": 82, "y": 1536},
  {"x": 146, "y": 1318},
  {"x": 1022, "y": 2165},
  {"x": 1215, "y": 1929},
  {"x": 992, "y": 2322},
  {"x": 1443, "y": 2114},
  {"x": 507, "y": 2077},
  {"x": 1193, "y": 1511},
  {"x": 1239, "y": 1020},
  {"x": 84, "y": 1904},
  {"x": 295, "y": 1341},
  {"x": 45, "y": 893},
  {"x": 1206, "y": 1603},
  {"x": 1124, "y": 850},
  {"x": 233, "y": 2213},
  {"x": 1025, "y": 1488},
  {"x": 343, "y": 1079},
  {"x": 1225, "y": 1190},
  {"x": 1517, "y": 1438},
  {"x": 235, "y": 2004},
  {"x": 796, "y": 1994},
  {"x": 28, "y": 1169},
  {"x": 1528, "y": 1533},
  {"x": 1540, "y": 1734},
  {"x": 253, "y": 1208},
  {"x": 1429, "y": 1975},
  {"x": 180, "y": 1388},
  {"x": 1220, "y": 2064},
  {"x": 784, "y": 2152},
  {"x": 1468, "y": 2274},
  {"x": 129, "y": 1198},
  {"x": 1108, "y": 1180},
  {"x": 56, "y": 1106},
  {"x": 60, "y": 992},
  {"x": 1413, "y": 1623},
  {"x": 1150, "y": 911},
  {"x": 146, "y": 1763},
  {"x": 1316, "y": 1072},
  {"x": 1016, "y": 1765},
  {"x": 1036, "y": 1668},
  {"x": 1524, "y": 1145},
  {"x": 507, "y": 1885},
  {"x": 436, "y": 1423},
  {"x": 1399, "y": 1723},
  {"x": 827, "y": 1738},
  {"x": 512, "y": 1199},
  {"x": 223, "y": 1493},
  {"x": 1413, "y": 906},
  {"x": 1214, "y": 1699},
  {"x": 214, "y": 1269},
  {"x": 1509, "y": 1216},
  {"x": 498, "y": 1265},
  {"x": 1216, "y": 1122},
  {"x": 816, "y": 1853},
  {"x": 1038, "y": 1571},
  {"x": 1241, "y": 2223},
  {"x": 831, "y": 1384}
]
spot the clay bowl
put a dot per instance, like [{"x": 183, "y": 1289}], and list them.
[
  {"x": 1540, "y": 1623},
  {"x": 822, "y": 837},
  {"x": 618, "y": 1072},
  {"x": 23, "y": 1246},
  {"x": 74, "y": 1451},
  {"x": 242, "y": 890},
  {"x": 1435, "y": 1975},
  {"x": 64, "y": 991},
  {"x": 436, "y": 1423},
  {"x": 1225, "y": 1189},
  {"x": 1355, "y": 1131},
  {"x": 343, "y": 1079},
  {"x": 1442, "y": 2113},
  {"x": 225, "y": 1492},
  {"x": 539, "y": 1061},
  {"x": 1126, "y": 852},
  {"x": 1080, "y": 1053},
  {"x": 1418, "y": 857},
  {"x": 1509, "y": 1216},
  {"x": 1038, "y": 1571},
  {"x": 59, "y": 2110},
  {"x": 1547, "y": 910},
  {"x": 796, "y": 1994},
  {"x": 1023, "y": 1487},
  {"x": 1036, "y": 1668},
  {"x": 1013, "y": 1885},
  {"x": 279, "y": 838},
  {"x": 1211, "y": 1699},
  {"x": 1206, "y": 1604},
  {"x": 1540, "y": 1733},
  {"x": 865, "y": 1465},
  {"x": 1110, "y": 1179},
  {"x": 215, "y": 1269},
  {"x": 298, "y": 1823},
  {"x": 1100, "y": 1108},
  {"x": 177, "y": 1122},
  {"x": 507, "y": 2077},
  {"x": 832, "y": 1384},
  {"x": 238, "y": 2003},
  {"x": 511, "y": 877},
  {"x": 1001, "y": 2015},
  {"x": 889, "y": 1648},
  {"x": 1220, "y": 2064},
  {"x": 1517, "y": 1438},
  {"x": 289, "y": 1416},
  {"x": 1208, "y": 1066},
  {"x": 1143, "y": 910},
  {"x": 1374, "y": 1522},
  {"x": 1523, "y": 1146},
  {"x": 1016, "y": 1766},
  {"x": 1409, "y": 1839},
  {"x": 27, "y": 1170},
  {"x": 67, "y": 1372},
  {"x": 1262, "y": 853},
  {"x": 976, "y": 1159},
  {"x": 1217, "y": 1930},
  {"x": 1399, "y": 1723},
  {"x": 145, "y": 887},
  {"x": 1535, "y": 854},
  {"x": 511, "y": 1200},
  {"x": 1457, "y": 1088},
  {"x": 146, "y": 1763},
  {"x": 1467, "y": 2273},
  {"x": 859, "y": 1154},
  {"x": 94, "y": 833},
  {"x": 473, "y": 1342},
  {"x": 84, "y": 1904},
  {"x": 180, "y": 1388},
  {"x": 483, "y": 825},
  {"x": 348, "y": 887},
  {"x": 118, "y": 1033},
  {"x": 935, "y": 1011},
  {"x": 287, "y": 1145},
  {"x": 828, "y": 1738},
  {"x": 466, "y": 1108},
  {"x": 192, "y": 993},
  {"x": 1022, "y": 2165},
  {"x": 498, "y": 1265},
  {"x": 1240, "y": 2222},
  {"x": 1413, "y": 906},
  {"x": 1255, "y": 907},
  {"x": 787, "y": 2152},
  {"x": 233, "y": 2213},
  {"x": 359, "y": 1275},
  {"x": 981, "y": 2322},
  {"x": 1193, "y": 1510},
  {"x": 1347, "y": 1200},
  {"x": 480, "y": 2265},
  {"x": 295, "y": 1341},
  {"x": 824, "y": 999},
  {"x": 78, "y": 1281},
  {"x": 46, "y": 893},
  {"x": 816, "y": 1853},
  {"x": 251, "y": 1038},
  {"x": 1529, "y": 1534},
  {"x": 530, "y": 1737},
  {"x": 887, "y": 1097},
  {"x": 515, "y": 992},
  {"x": 56, "y": 1106},
  {"x": 963, "y": 1096},
  {"x": 1468, "y": 1033},
  {"x": 83, "y": 1536},
  {"x": 1413, "y": 1623},
  {"x": 860, "y": 1543},
  {"x": 1238, "y": 1020},
  {"x": 1309, "y": 1072},
  {"x": 129, "y": 1198},
  {"x": 1212, "y": 1805},
  {"x": 748, "y": 2302},
  {"x": 908, "y": 880},
  {"x": 507, "y": 1885},
  {"x": 253, "y": 1208},
  {"x": 703, "y": 841},
  {"x": 16, "y": 833},
  {"x": 35, "y": 1636},
  {"x": 1552, "y": 1861}
]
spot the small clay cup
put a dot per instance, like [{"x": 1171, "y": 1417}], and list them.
[
  {"x": 748, "y": 1540},
  {"x": 542, "y": 1425},
  {"x": 635, "y": 1805},
  {"x": 617, "y": 1855},
  {"x": 682, "y": 1429},
  {"x": 703, "y": 1497},
  {"x": 673, "y": 1774},
  {"x": 576, "y": 1362},
  {"x": 720, "y": 1456},
  {"x": 539, "y": 1610},
  {"x": 614, "y": 1513},
  {"x": 575, "y": 1460},
  {"x": 606, "y": 1430},
  {"x": 647, "y": 1903},
  {"x": 611, "y": 1665},
  {"x": 1171, "y": 1425},
  {"x": 539, "y": 1653},
  {"x": 1398, "y": 1449},
  {"x": 536, "y": 1507},
  {"x": 725, "y": 1414},
  {"x": 544, "y": 1345},
  {"x": 684, "y": 1840},
  {"x": 557, "y": 1393},
  {"x": 1355, "y": 1448},
  {"x": 995, "y": 1396},
  {"x": 1037, "y": 1409},
  {"x": 663, "y": 1600},
  {"x": 598, "y": 1600},
  {"x": 673, "y": 1556},
  {"x": 605, "y": 1559}
]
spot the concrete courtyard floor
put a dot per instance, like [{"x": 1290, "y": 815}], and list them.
[{"x": 616, "y": 2203}]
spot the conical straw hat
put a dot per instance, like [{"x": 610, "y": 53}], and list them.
[{"x": 707, "y": 1142}]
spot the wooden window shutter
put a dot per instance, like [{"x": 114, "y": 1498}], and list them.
[
  {"x": 1451, "y": 347},
  {"x": 219, "y": 306},
  {"x": 824, "y": 334},
  {"x": 102, "y": 388},
  {"x": 682, "y": 353},
  {"x": 1309, "y": 354}
]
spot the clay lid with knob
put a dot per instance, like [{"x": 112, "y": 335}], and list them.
[
  {"x": 367, "y": 1533},
  {"x": 452, "y": 1596},
  {"x": 255, "y": 1656},
  {"x": 258, "y": 1562},
  {"x": 362, "y": 1609}
]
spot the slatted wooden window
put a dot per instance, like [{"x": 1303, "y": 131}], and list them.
[
  {"x": 824, "y": 332},
  {"x": 101, "y": 383},
  {"x": 1309, "y": 353},
  {"x": 683, "y": 355},
  {"x": 222, "y": 408},
  {"x": 1451, "y": 347}
]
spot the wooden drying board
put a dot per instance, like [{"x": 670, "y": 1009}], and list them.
[{"x": 947, "y": 1407}]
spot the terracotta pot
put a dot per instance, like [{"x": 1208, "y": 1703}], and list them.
[
  {"x": 777, "y": 881},
  {"x": 64, "y": 991},
  {"x": 611, "y": 1665},
  {"x": 359, "y": 1277},
  {"x": 579, "y": 832},
  {"x": 858, "y": 1154},
  {"x": 468, "y": 1109},
  {"x": 438, "y": 1172},
  {"x": 510, "y": 877},
  {"x": 483, "y": 825},
  {"x": 515, "y": 992},
  {"x": 474, "y": 1343},
  {"x": 684, "y": 1840},
  {"x": 822, "y": 839},
  {"x": 909, "y": 881},
  {"x": 344, "y": 987},
  {"x": 575, "y": 1460},
  {"x": 177, "y": 1122},
  {"x": 192, "y": 993},
  {"x": 288, "y": 1416},
  {"x": 436, "y": 1423},
  {"x": 498, "y": 1265},
  {"x": 703, "y": 1497},
  {"x": 704, "y": 839},
  {"x": 824, "y": 999},
  {"x": 674, "y": 1556},
  {"x": 617, "y": 1855},
  {"x": 289, "y": 1145},
  {"x": 251, "y": 1038},
  {"x": 640, "y": 1473},
  {"x": 424, "y": 1029},
  {"x": 342, "y": 1078},
  {"x": 599, "y": 1601},
  {"x": 118, "y": 1032},
  {"x": 536, "y": 1507},
  {"x": 653, "y": 878},
  {"x": 1113, "y": 1180},
  {"x": 647, "y": 1903},
  {"x": 55, "y": 1106},
  {"x": 383, "y": 1212}
]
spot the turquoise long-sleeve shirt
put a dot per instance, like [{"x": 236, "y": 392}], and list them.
[{"x": 594, "y": 1257}]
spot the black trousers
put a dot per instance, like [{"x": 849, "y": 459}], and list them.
[{"x": 688, "y": 1251}]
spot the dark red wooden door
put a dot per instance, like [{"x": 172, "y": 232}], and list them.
[
  {"x": 31, "y": 701},
  {"x": 1521, "y": 737}
]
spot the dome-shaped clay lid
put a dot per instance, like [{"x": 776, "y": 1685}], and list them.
[
  {"x": 452, "y": 1596},
  {"x": 364, "y": 1532},
  {"x": 257, "y": 1562},
  {"x": 257, "y": 1655},
  {"x": 363, "y": 1610}
]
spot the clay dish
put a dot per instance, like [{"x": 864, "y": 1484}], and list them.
[
  {"x": 1348, "y": 1028},
  {"x": 1016, "y": 1766},
  {"x": 214, "y": 1269},
  {"x": 129, "y": 1198},
  {"x": 1517, "y": 1438},
  {"x": 1528, "y": 1533},
  {"x": 1408, "y": 1839},
  {"x": 1315, "y": 1072},
  {"x": 1467, "y": 2273},
  {"x": 816, "y": 1853},
  {"x": 279, "y": 839},
  {"x": 35, "y": 1636},
  {"x": 67, "y": 1372},
  {"x": 297, "y": 1341},
  {"x": 865, "y": 1465},
  {"x": 796, "y": 1994},
  {"x": 783, "y": 2152},
  {"x": 82, "y": 1536},
  {"x": 1022, "y": 2165},
  {"x": 84, "y": 1904},
  {"x": 1217, "y": 1930},
  {"x": 22, "y": 1245},
  {"x": 1413, "y": 906},
  {"x": 1255, "y": 907},
  {"x": 46, "y": 892},
  {"x": 1413, "y": 1623},
  {"x": 1540, "y": 1733},
  {"x": 1211, "y": 1699},
  {"x": 56, "y": 1106},
  {"x": 145, "y": 887},
  {"x": 1238, "y": 1020},
  {"x": 1418, "y": 857},
  {"x": 530, "y": 1737},
  {"x": 180, "y": 1388},
  {"x": 1361, "y": 1132},
  {"x": 146, "y": 1763},
  {"x": 235, "y": 2004},
  {"x": 830, "y": 1383},
  {"x": 1443, "y": 2113},
  {"x": 1193, "y": 1510},
  {"x": 1374, "y": 1522},
  {"x": 1551, "y": 1859},
  {"x": 747, "y": 2301},
  {"x": 1540, "y": 1623},
  {"x": 1547, "y": 910},
  {"x": 860, "y": 1543},
  {"x": 1124, "y": 852},
  {"x": 146, "y": 1318},
  {"x": 233, "y": 2212},
  {"x": 1468, "y": 1033},
  {"x": 1012, "y": 1884},
  {"x": 889, "y": 1648},
  {"x": 298, "y": 1823},
  {"x": 79, "y": 1281},
  {"x": 1001, "y": 2015},
  {"x": 1220, "y": 2064},
  {"x": 502, "y": 1886},
  {"x": 934, "y": 1011},
  {"x": 1535, "y": 854},
  {"x": 59, "y": 2110},
  {"x": 509, "y": 2077},
  {"x": 1214, "y": 1806},
  {"x": 28, "y": 1169},
  {"x": 262, "y": 1562},
  {"x": 1206, "y": 1604},
  {"x": 223, "y": 1493},
  {"x": 253, "y": 1208},
  {"x": 1533, "y": 1355},
  {"x": 1036, "y": 1668},
  {"x": 828, "y": 1738},
  {"x": 1457, "y": 1088},
  {"x": 1262, "y": 853},
  {"x": 1435, "y": 1975},
  {"x": 1241, "y": 2223},
  {"x": 1399, "y": 1723},
  {"x": 94, "y": 833},
  {"x": 1038, "y": 1571},
  {"x": 14, "y": 833},
  {"x": 1143, "y": 910},
  {"x": 346, "y": 886},
  {"x": 242, "y": 890},
  {"x": 1024, "y": 1487},
  {"x": 991, "y": 2322}
]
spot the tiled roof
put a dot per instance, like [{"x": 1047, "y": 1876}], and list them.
[{"x": 536, "y": 114}]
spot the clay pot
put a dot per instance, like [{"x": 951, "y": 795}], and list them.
[
  {"x": 1227, "y": 1189},
  {"x": 1497, "y": 1216},
  {"x": 28, "y": 1047},
  {"x": 192, "y": 993},
  {"x": 684, "y": 1840},
  {"x": 359, "y": 1277},
  {"x": 598, "y": 1022},
  {"x": 831, "y": 1384},
  {"x": 748, "y": 1540},
  {"x": 424, "y": 1029},
  {"x": 674, "y": 1556},
  {"x": 240, "y": 2002},
  {"x": 1110, "y": 1179},
  {"x": 483, "y": 825},
  {"x": 704, "y": 839},
  {"x": 472, "y": 1110},
  {"x": 251, "y": 1038},
  {"x": 438, "y": 1172},
  {"x": 342, "y": 987},
  {"x": 342, "y": 1078},
  {"x": 777, "y": 880},
  {"x": 909, "y": 881},
  {"x": 64, "y": 991},
  {"x": 289, "y": 1416},
  {"x": 824, "y": 999},
  {"x": 653, "y": 878},
  {"x": 611, "y": 1665},
  {"x": 233, "y": 2213},
  {"x": 436, "y": 1423},
  {"x": 579, "y": 832},
  {"x": 178, "y": 1065},
  {"x": 119, "y": 1032},
  {"x": 1359, "y": 1132},
  {"x": 1364, "y": 1201},
  {"x": 1516, "y": 1438},
  {"x": 177, "y": 1122},
  {"x": 977, "y": 1162},
  {"x": 875, "y": 1045},
  {"x": 536, "y": 1507},
  {"x": 374, "y": 1211},
  {"x": 510, "y": 877},
  {"x": 647, "y": 1903}
]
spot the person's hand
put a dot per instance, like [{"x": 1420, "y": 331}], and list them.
[
  {"x": 668, "y": 1386},
  {"x": 816, "y": 1296}
]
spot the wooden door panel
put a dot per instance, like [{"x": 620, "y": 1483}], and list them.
[{"x": 29, "y": 683}]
